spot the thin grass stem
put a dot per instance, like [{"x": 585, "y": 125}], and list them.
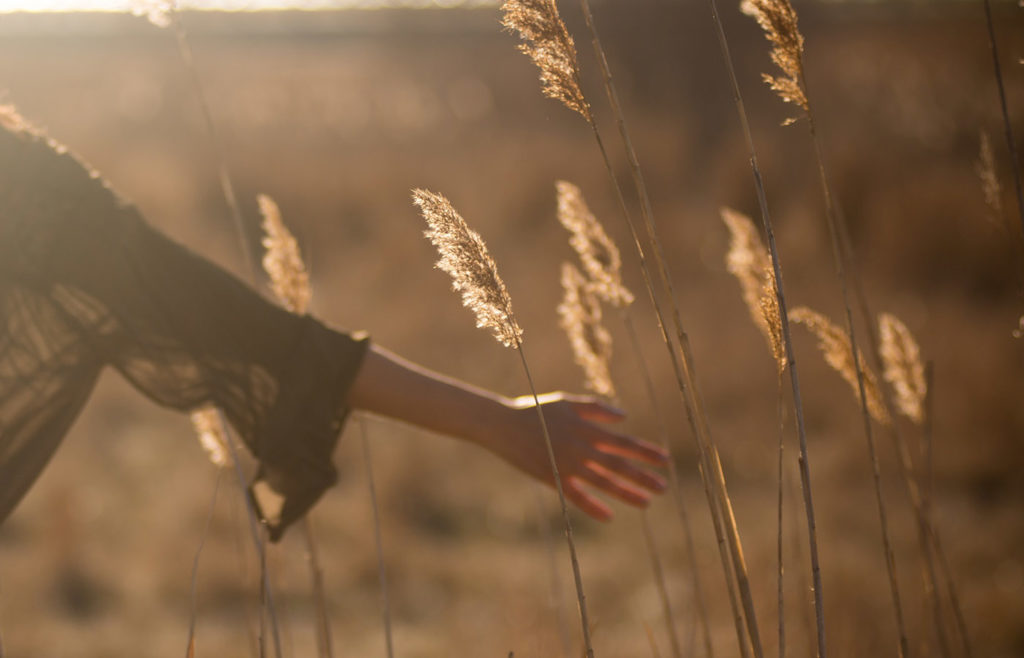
[
  {"x": 194, "y": 580},
  {"x": 804, "y": 459},
  {"x": 577, "y": 576},
  {"x": 382, "y": 572},
  {"x": 659, "y": 581},
  {"x": 1011, "y": 144},
  {"x": 674, "y": 482},
  {"x": 324, "y": 642},
  {"x": 683, "y": 360}
]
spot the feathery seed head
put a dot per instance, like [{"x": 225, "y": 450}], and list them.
[
  {"x": 282, "y": 260},
  {"x": 835, "y": 347},
  {"x": 904, "y": 370},
  {"x": 990, "y": 187},
  {"x": 750, "y": 263},
  {"x": 465, "y": 258},
  {"x": 206, "y": 422},
  {"x": 778, "y": 20},
  {"x": 579, "y": 316},
  {"x": 549, "y": 45},
  {"x": 598, "y": 253}
]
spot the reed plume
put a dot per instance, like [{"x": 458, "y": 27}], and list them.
[
  {"x": 282, "y": 261},
  {"x": 548, "y": 43},
  {"x": 474, "y": 274},
  {"x": 749, "y": 262},
  {"x": 597, "y": 252},
  {"x": 778, "y": 20},
  {"x": 289, "y": 279},
  {"x": 901, "y": 359},
  {"x": 208, "y": 428},
  {"x": 990, "y": 186},
  {"x": 580, "y": 317},
  {"x": 465, "y": 258},
  {"x": 836, "y": 348}
]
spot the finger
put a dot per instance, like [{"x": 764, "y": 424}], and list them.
[
  {"x": 597, "y": 411},
  {"x": 627, "y": 470},
  {"x": 624, "y": 491},
  {"x": 623, "y": 445},
  {"x": 589, "y": 504}
]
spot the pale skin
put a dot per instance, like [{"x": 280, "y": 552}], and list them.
[{"x": 592, "y": 458}]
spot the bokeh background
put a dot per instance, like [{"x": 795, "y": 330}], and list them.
[{"x": 337, "y": 115}]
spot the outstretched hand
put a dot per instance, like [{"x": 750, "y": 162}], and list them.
[{"x": 590, "y": 456}]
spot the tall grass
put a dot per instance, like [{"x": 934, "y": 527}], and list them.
[
  {"x": 547, "y": 42},
  {"x": 465, "y": 257}
]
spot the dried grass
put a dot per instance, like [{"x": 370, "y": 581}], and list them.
[
  {"x": 579, "y": 316},
  {"x": 778, "y": 20},
  {"x": 597, "y": 252},
  {"x": 835, "y": 347},
  {"x": 990, "y": 185},
  {"x": 549, "y": 45},
  {"x": 465, "y": 258},
  {"x": 282, "y": 260},
  {"x": 903, "y": 369},
  {"x": 749, "y": 262},
  {"x": 207, "y": 425}
]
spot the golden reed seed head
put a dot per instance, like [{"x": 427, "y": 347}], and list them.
[
  {"x": 904, "y": 370},
  {"x": 549, "y": 45},
  {"x": 835, "y": 346},
  {"x": 750, "y": 263},
  {"x": 207, "y": 424},
  {"x": 598, "y": 253},
  {"x": 282, "y": 260},
  {"x": 990, "y": 187},
  {"x": 778, "y": 20},
  {"x": 579, "y": 315},
  {"x": 465, "y": 258}
]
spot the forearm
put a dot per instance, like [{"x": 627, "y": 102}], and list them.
[{"x": 390, "y": 386}]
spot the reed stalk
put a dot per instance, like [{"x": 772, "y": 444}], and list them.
[
  {"x": 785, "y": 326},
  {"x": 539, "y": 24},
  {"x": 581, "y": 317},
  {"x": 382, "y": 573},
  {"x": 779, "y": 21},
  {"x": 1011, "y": 143},
  {"x": 674, "y": 481},
  {"x": 170, "y": 16},
  {"x": 190, "y": 644},
  {"x": 465, "y": 257}
]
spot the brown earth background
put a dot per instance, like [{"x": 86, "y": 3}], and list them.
[{"x": 337, "y": 116}]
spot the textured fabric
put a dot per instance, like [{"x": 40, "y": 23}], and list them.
[{"x": 86, "y": 283}]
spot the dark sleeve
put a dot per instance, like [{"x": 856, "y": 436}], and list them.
[{"x": 85, "y": 282}]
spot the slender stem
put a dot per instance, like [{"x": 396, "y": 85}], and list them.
[
  {"x": 837, "y": 255},
  {"x": 324, "y": 643},
  {"x": 382, "y": 573},
  {"x": 224, "y": 174},
  {"x": 266, "y": 594},
  {"x": 674, "y": 481},
  {"x": 685, "y": 366},
  {"x": 1011, "y": 144},
  {"x": 659, "y": 581},
  {"x": 190, "y": 645},
  {"x": 804, "y": 459},
  {"x": 577, "y": 577},
  {"x": 781, "y": 569},
  {"x": 557, "y": 597}
]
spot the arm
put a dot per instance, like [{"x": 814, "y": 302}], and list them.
[{"x": 588, "y": 453}]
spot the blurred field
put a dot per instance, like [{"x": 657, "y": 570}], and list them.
[{"x": 338, "y": 117}]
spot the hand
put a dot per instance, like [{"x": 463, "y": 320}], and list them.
[{"x": 588, "y": 454}]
